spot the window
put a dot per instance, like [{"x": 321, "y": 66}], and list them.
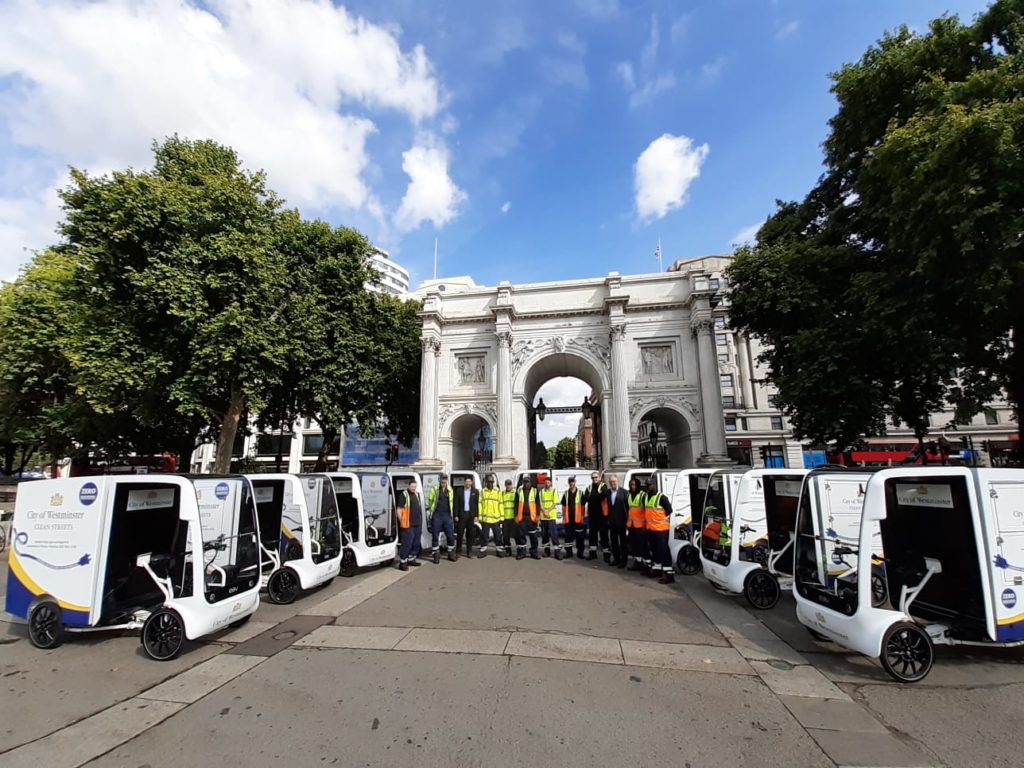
[
  {"x": 728, "y": 401},
  {"x": 726, "y": 380},
  {"x": 720, "y": 322},
  {"x": 311, "y": 445},
  {"x": 777, "y": 422},
  {"x": 991, "y": 417},
  {"x": 772, "y": 400},
  {"x": 743, "y": 424},
  {"x": 724, "y": 359},
  {"x": 714, "y": 283},
  {"x": 272, "y": 445},
  {"x": 721, "y": 339},
  {"x": 730, "y": 425}
]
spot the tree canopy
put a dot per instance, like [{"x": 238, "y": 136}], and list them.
[{"x": 893, "y": 287}]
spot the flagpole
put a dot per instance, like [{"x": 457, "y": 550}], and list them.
[{"x": 435, "y": 258}]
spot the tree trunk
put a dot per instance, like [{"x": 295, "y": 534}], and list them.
[
  {"x": 9, "y": 450},
  {"x": 228, "y": 430},
  {"x": 329, "y": 434}
]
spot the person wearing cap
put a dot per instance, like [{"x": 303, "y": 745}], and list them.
[
  {"x": 574, "y": 516},
  {"x": 508, "y": 516},
  {"x": 410, "y": 515},
  {"x": 527, "y": 516},
  {"x": 490, "y": 517},
  {"x": 658, "y": 517},
  {"x": 441, "y": 504},
  {"x": 549, "y": 518},
  {"x": 595, "y": 497},
  {"x": 467, "y": 512}
]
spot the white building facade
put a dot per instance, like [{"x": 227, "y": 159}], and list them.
[{"x": 393, "y": 277}]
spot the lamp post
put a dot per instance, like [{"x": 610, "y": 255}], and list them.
[
  {"x": 653, "y": 437},
  {"x": 541, "y": 409}
]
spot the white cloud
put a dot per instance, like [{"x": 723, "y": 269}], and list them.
[
  {"x": 282, "y": 81},
  {"x": 625, "y": 71},
  {"x": 565, "y": 65},
  {"x": 679, "y": 29},
  {"x": 562, "y": 391},
  {"x": 643, "y": 82},
  {"x": 506, "y": 206},
  {"x": 711, "y": 71},
  {"x": 26, "y": 223},
  {"x": 431, "y": 195},
  {"x": 663, "y": 174},
  {"x": 746, "y": 236},
  {"x": 787, "y": 29},
  {"x": 508, "y": 35},
  {"x": 651, "y": 89},
  {"x": 601, "y": 9}
]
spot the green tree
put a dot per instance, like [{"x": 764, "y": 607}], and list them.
[
  {"x": 894, "y": 285},
  {"x": 180, "y": 291},
  {"x": 542, "y": 456},
  {"x": 563, "y": 455}
]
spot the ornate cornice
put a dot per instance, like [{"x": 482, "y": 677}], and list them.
[
  {"x": 527, "y": 349},
  {"x": 504, "y": 338},
  {"x": 448, "y": 411},
  {"x": 701, "y": 325},
  {"x": 641, "y": 404},
  {"x": 431, "y": 344},
  {"x": 617, "y": 332}
]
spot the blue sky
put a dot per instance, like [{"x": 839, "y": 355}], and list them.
[{"x": 511, "y": 131}]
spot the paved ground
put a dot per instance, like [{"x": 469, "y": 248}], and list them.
[{"x": 497, "y": 662}]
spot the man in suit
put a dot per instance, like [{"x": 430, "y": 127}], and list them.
[
  {"x": 618, "y": 514},
  {"x": 467, "y": 510}
]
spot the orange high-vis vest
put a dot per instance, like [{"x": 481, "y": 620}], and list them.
[
  {"x": 637, "y": 511},
  {"x": 405, "y": 511},
  {"x": 529, "y": 502},
  {"x": 656, "y": 519},
  {"x": 579, "y": 512}
]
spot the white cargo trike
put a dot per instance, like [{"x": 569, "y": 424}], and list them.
[
  {"x": 300, "y": 536},
  {"x": 688, "y": 491},
  {"x": 177, "y": 557},
  {"x": 954, "y": 546},
  {"x": 736, "y": 541},
  {"x": 369, "y": 519}
]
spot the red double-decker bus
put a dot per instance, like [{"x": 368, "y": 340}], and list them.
[{"x": 888, "y": 452}]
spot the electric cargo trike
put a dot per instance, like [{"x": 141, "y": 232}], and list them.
[
  {"x": 736, "y": 543},
  {"x": 954, "y": 555},
  {"x": 369, "y": 519},
  {"x": 689, "y": 488},
  {"x": 174, "y": 556},
  {"x": 300, "y": 536}
]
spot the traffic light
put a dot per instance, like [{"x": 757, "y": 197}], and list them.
[{"x": 763, "y": 450}]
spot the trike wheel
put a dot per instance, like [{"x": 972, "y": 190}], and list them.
[
  {"x": 907, "y": 652},
  {"x": 688, "y": 561},
  {"x": 44, "y": 626},
  {"x": 3, "y": 538},
  {"x": 348, "y": 564},
  {"x": 762, "y": 590},
  {"x": 163, "y": 635},
  {"x": 879, "y": 590},
  {"x": 283, "y": 586}
]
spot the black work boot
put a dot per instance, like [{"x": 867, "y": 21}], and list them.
[
  {"x": 500, "y": 553},
  {"x": 558, "y": 554},
  {"x": 483, "y": 554},
  {"x": 453, "y": 555},
  {"x": 437, "y": 556},
  {"x": 568, "y": 553},
  {"x": 592, "y": 556},
  {"x": 608, "y": 558},
  {"x": 520, "y": 555},
  {"x": 547, "y": 552},
  {"x": 535, "y": 555}
]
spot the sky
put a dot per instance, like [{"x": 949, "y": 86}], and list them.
[{"x": 535, "y": 140}]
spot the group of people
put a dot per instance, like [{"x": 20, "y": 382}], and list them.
[{"x": 621, "y": 523}]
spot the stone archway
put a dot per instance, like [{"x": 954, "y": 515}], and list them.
[
  {"x": 674, "y": 447},
  {"x": 460, "y": 427}
]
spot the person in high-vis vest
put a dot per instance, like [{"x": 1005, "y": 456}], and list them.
[
  {"x": 441, "y": 504},
  {"x": 508, "y": 516},
  {"x": 410, "y": 515},
  {"x": 595, "y": 496},
  {"x": 527, "y": 516},
  {"x": 549, "y": 519},
  {"x": 636, "y": 526},
  {"x": 490, "y": 517},
  {"x": 574, "y": 517},
  {"x": 658, "y": 519}
]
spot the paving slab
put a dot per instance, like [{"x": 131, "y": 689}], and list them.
[
  {"x": 766, "y": 649},
  {"x": 247, "y": 631},
  {"x": 369, "y": 638},
  {"x": 356, "y": 593},
  {"x": 850, "y": 748},
  {"x": 788, "y": 680},
  {"x": 569, "y": 647},
  {"x": 455, "y": 641},
  {"x": 696, "y": 658},
  {"x": 195, "y": 683},
  {"x": 87, "y": 739},
  {"x": 277, "y": 638},
  {"x": 831, "y": 714}
]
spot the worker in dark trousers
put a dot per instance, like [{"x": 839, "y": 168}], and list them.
[
  {"x": 440, "y": 504},
  {"x": 549, "y": 518},
  {"x": 574, "y": 516},
  {"x": 410, "y": 515},
  {"x": 637, "y": 526},
  {"x": 467, "y": 510},
  {"x": 618, "y": 515},
  {"x": 659, "y": 516},
  {"x": 527, "y": 518},
  {"x": 595, "y": 497},
  {"x": 490, "y": 517},
  {"x": 508, "y": 516}
]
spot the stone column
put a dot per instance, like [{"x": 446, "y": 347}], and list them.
[
  {"x": 622, "y": 444},
  {"x": 504, "y": 445},
  {"x": 710, "y": 394},
  {"x": 746, "y": 371},
  {"x": 428, "y": 402}
]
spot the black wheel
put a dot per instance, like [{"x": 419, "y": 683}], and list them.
[
  {"x": 3, "y": 538},
  {"x": 241, "y": 622},
  {"x": 762, "y": 590},
  {"x": 688, "y": 561},
  {"x": 283, "y": 586},
  {"x": 818, "y": 636},
  {"x": 163, "y": 635},
  {"x": 907, "y": 652},
  {"x": 348, "y": 564},
  {"x": 879, "y": 590},
  {"x": 44, "y": 626}
]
